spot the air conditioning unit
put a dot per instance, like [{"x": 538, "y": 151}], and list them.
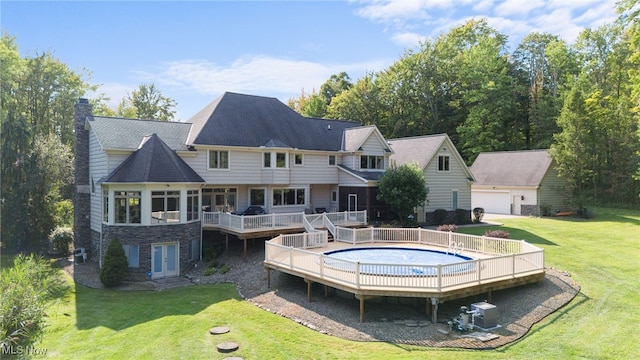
[{"x": 486, "y": 315}]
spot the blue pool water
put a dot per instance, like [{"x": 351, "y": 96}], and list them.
[{"x": 397, "y": 261}]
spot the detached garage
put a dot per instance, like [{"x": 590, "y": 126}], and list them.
[
  {"x": 517, "y": 182},
  {"x": 493, "y": 202}
]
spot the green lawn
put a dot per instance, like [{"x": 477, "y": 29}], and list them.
[{"x": 602, "y": 322}]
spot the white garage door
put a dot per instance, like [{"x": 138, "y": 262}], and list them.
[{"x": 492, "y": 202}]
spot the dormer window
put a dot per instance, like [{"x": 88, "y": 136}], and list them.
[{"x": 372, "y": 162}]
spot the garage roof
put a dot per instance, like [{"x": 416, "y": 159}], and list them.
[{"x": 511, "y": 168}]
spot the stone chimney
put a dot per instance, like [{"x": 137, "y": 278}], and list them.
[{"x": 82, "y": 194}]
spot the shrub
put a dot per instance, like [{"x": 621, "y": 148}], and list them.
[
  {"x": 63, "y": 213},
  {"x": 115, "y": 266},
  {"x": 61, "y": 239},
  {"x": 497, "y": 234},
  {"x": 462, "y": 217},
  {"x": 225, "y": 269},
  {"x": 440, "y": 216},
  {"x": 478, "y": 213},
  {"x": 27, "y": 287},
  {"x": 448, "y": 227},
  {"x": 545, "y": 210}
]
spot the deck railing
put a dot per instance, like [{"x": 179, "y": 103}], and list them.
[
  {"x": 251, "y": 223},
  {"x": 508, "y": 259}
]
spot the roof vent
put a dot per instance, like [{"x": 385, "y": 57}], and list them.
[{"x": 329, "y": 127}]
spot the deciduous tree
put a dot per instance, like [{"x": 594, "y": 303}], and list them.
[{"x": 403, "y": 189}]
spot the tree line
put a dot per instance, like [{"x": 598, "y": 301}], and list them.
[
  {"x": 37, "y": 94},
  {"x": 580, "y": 101}
]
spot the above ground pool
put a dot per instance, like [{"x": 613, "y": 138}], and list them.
[{"x": 398, "y": 261}]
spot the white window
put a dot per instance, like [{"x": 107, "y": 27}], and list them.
[
  {"x": 443, "y": 163},
  {"x": 218, "y": 159},
  {"x": 372, "y": 162},
  {"x": 298, "y": 159},
  {"x": 277, "y": 160},
  {"x": 127, "y": 207},
  {"x": 105, "y": 206},
  {"x": 132, "y": 253},
  {"x": 257, "y": 197},
  {"x": 165, "y": 206},
  {"x": 193, "y": 203},
  {"x": 332, "y": 160},
  {"x": 291, "y": 196}
]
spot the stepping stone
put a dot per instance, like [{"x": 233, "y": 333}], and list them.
[
  {"x": 218, "y": 330},
  {"x": 227, "y": 347}
]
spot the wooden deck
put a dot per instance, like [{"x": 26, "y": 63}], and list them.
[{"x": 491, "y": 271}]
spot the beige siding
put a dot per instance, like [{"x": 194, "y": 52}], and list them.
[
  {"x": 552, "y": 190},
  {"x": 373, "y": 146},
  {"x": 245, "y": 167},
  {"x": 316, "y": 170},
  {"x": 98, "y": 168},
  {"x": 441, "y": 183}
]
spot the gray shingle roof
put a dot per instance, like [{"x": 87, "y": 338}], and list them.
[
  {"x": 125, "y": 134},
  {"x": 511, "y": 168},
  {"x": 418, "y": 149},
  {"x": 254, "y": 121},
  {"x": 367, "y": 175},
  {"x": 355, "y": 137},
  {"x": 154, "y": 162}
]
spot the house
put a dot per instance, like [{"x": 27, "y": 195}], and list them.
[
  {"x": 157, "y": 186},
  {"x": 150, "y": 184},
  {"x": 446, "y": 175},
  {"x": 517, "y": 182}
]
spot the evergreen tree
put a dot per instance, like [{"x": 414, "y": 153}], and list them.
[{"x": 115, "y": 266}]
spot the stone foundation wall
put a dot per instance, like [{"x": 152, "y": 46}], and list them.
[
  {"x": 145, "y": 236},
  {"x": 528, "y": 210}
]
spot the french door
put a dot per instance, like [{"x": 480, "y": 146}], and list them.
[{"x": 165, "y": 260}]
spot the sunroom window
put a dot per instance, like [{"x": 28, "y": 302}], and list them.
[
  {"x": 127, "y": 207},
  {"x": 165, "y": 206}
]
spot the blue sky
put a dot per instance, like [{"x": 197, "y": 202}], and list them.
[{"x": 196, "y": 50}]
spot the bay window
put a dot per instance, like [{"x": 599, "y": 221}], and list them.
[
  {"x": 165, "y": 206},
  {"x": 127, "y": 207}
]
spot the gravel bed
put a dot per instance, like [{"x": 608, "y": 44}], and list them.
[{"x": 395, "y": 320}]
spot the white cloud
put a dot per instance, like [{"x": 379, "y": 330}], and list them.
[
  {"x": 258, "y": 74},
  {"x": 482, "y": 6},
  {"x": 408, "y": 40},
  {"x": 518, "y": 7},
  {"x": 114, "y": 91},
  {"x": 514, "y": 18},
  {"x": 398, "y": 11}
]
